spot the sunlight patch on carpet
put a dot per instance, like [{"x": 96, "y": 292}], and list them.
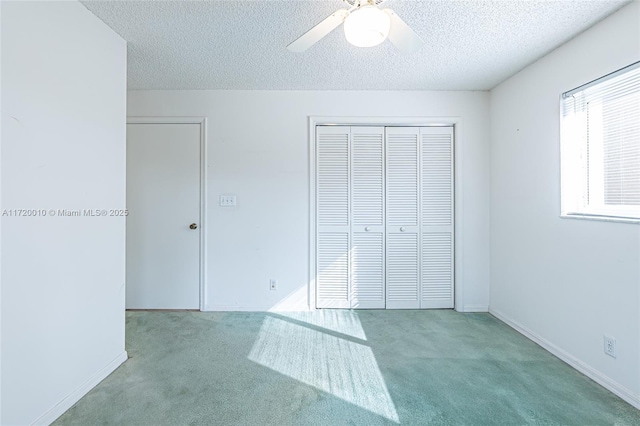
[{"x": 340, "y": 367}]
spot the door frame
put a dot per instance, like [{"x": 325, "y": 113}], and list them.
[
  {"x": 456, "y": 122},
  {"x": 202, "y": 121}
]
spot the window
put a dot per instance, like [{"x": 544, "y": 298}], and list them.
[{"x": 601, "y": 147}]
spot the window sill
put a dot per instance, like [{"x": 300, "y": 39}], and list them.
[{"x": 584, "y": 216}]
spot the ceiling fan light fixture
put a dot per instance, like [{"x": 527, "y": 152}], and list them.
[{"x": 367, "y": 26}]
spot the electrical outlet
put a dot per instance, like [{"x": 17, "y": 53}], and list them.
[
  {"x": 610, "y": 346},
  {"x": 273, "y": 284}
]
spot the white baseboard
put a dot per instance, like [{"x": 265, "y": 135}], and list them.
[
  {"x": 296, "y": 308},
  {"x": 68, "y": 401},
  {"x": 574, "y": 362},
  {"x": 231, "y": 308},
  {"x": 226, "y": 308},
  {"x": 475, "y": 308}
]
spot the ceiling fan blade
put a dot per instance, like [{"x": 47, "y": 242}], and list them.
[
  {"x": 312, "y": 36},
  {"x": 401, "y": 35}
]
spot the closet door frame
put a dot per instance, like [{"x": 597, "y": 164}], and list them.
[{"x": 455, "y": 122}]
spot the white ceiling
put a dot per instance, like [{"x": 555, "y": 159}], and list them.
[{"x": 469, "y": 45}]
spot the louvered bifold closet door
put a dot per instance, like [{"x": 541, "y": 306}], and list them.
[
  {"x": 332, "y": 217},
  {"x": 367, "y": 217},
  {"x": 437, "y": 217},
  {"x": 402, "y": 221}
]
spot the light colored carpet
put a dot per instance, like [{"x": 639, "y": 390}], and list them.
[{"x": 340, "y": 367}]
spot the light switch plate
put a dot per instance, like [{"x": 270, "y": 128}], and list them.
[{"x": 228, "y": 200}]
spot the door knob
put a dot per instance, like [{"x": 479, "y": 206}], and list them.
[
  {"x": 402, "y": 228},
  {"x": 366, "y": 228},
  {"x": 193, "y": 226}
]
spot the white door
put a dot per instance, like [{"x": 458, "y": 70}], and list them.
[
  {"x": 163, "y": 200},
  {"x": 350, "y": 217},
  {"x": 437, "y": 217},
  {"x": 333, "y": 236},
  {"x": 403, "y": 211},
  {"x": 384, "y": 200},
  {"x": 367, "y": 217}
]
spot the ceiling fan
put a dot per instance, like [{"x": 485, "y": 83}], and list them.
[{"x": 365, "y": 25}]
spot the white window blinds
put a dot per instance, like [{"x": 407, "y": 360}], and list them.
[{"x": 601, "y": 147}]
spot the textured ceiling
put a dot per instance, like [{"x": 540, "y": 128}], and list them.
[{"x": 469, "y": 45}]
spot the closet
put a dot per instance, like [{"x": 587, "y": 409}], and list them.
[{"x": 384, "y": 217}]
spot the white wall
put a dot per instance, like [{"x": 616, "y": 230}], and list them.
[
  {"x": 564, "y": 281},
  {"x": 258, "y": 148},
  {"x": 63, "y": 147}
]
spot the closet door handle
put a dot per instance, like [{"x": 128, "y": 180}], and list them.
[
  {"x": 402, "y": 229},
  {"x": 366, "y": 228}
]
